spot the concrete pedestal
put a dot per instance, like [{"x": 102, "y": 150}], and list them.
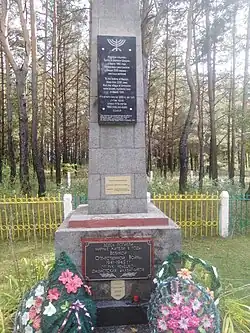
[{"x": 166, "y": 236}]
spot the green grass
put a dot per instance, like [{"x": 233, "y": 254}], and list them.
[{"x": 230, "y": 256}]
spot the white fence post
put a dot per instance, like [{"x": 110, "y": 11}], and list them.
[
  {"x": 68, "y": 179},
  {"x": 148, "y": 197},
  {"x": 224, "y": 214},
  {"x": 67, "y": 205}
]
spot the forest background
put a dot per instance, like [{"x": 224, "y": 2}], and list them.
[{"x": 196, "y": 80}]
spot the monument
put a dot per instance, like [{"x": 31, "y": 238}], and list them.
[{"x": 118, "y": 239}]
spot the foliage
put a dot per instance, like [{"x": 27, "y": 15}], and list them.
[{"x": 28, "y": 272}]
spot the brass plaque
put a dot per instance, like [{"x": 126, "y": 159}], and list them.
[
  {"x": 117, "y": 289},
  {"x": 116, "y": 185}
]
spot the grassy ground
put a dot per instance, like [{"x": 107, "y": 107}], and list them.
[{"x": 231, "y": 256}]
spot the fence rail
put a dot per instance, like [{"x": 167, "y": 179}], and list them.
[
  {"x": 29, "y": 218},
  {"x": 26, "y": 218},
  {"x": 197, "y": 214}
]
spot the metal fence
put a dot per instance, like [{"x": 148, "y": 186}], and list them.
[
  {"x": 239, "y": 214},
  {"x": 197, "y": 214},
  {"x": 29, "y": 218},
  {"x": 26, "y": 218}
]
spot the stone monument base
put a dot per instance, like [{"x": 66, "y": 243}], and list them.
[
  {"x": 123, "y": 329},
  {"x": 80, "y": 228}
]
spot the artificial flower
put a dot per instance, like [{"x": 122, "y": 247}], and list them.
[
  {"x": 194, "y": 321},
  {"x": 39, "y": 291},
  {"x": 71, "y": 287},
  {"x": 53, "y": 294},
  {"x": 186, "y": 311},
  {"x": 162, "y": 325},
  {"x": 185, "y": 274},
  {"x": 206, "y": 322},
  {"x": 175, "y": 312},
  {"x": 30, "y": 302},
  {"x": 25, "y": 318},
  {"x": 183, "y": 323},
  {"x": 177, "y": 298},
  {"x": 38, "y": 302},
  {"x": 65, "y": 306},
  {"x": 65, "y": 277},
  {"x": 32, "y": 313},
  {"x": 165, "y": 310},
  {"x": 28, "y": 329},
  {"x": 49, "y": 310},
  {"x": 37, "y": 323},
  {"x": 196, "y": 305},
  {"x": 77, "y": 281},
  {"x": 88, "y": 289},
  {"x": 173, "y": 324}
]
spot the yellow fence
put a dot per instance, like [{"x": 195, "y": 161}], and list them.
[
  {"x": 197, "y": 214},
  {"x": 26, "y": 218},
  {"x": 31, "y": 218}
]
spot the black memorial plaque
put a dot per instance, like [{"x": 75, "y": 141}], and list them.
[
  {"x": 116, "y": 79},
  {"x": 117, "y": 259}
]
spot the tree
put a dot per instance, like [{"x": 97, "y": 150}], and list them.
[
  {"x": 183, "y": 149},
  {"x": 37, "y": 161},
  {"x": 244, "y": 105},
  {"x": 21, "y": 72}
]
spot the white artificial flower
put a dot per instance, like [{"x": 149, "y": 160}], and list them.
[
  {"x": 39, "y": 291},
  {"x": 49, "y": 310},
  {"x": 25, "y": 318},
  {"x": 28, "y": 329},
  {"x": 30, "y": 302}
]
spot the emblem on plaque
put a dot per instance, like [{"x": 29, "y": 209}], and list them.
[
  {"x": 116, "y": 43},
  {"x": 118, "y": 289}
]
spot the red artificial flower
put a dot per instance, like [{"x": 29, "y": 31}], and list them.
[
  {"x": 37, "y": 323},
  {"x": 53, "y": 294},
  {"x": 38, "y": 302},
  {"x": 32, "y": 313},
  {"x": 65, "y": 277}
]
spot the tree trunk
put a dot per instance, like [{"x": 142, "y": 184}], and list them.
[
  {"x": 188, "y": 123},
  {"x": 23, "y": 132},
  {"x": 173, "y": 116},
  {"x": 77, "y": 107},
  {"x": 233, "y": 110},
  {"x": 44, "y": 81},
  {"x": 165, "y": 154},
  {"x": 211, "y": 96},
  {"x": 38, "y": 166},
  {"x": 56, "y": 96},
  {"x": 11, "y": 151},
  {"x": 2, "y": 117},
  {"x": 244, "y": 107}
]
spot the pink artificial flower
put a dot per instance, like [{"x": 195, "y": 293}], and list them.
[
  {"x": 183, "y": 323},
  {"x": 175, "y": 312},
  {"x": 196, "y": 305},
  {"x": 65, "y": 277},
  {"x": 173, "y": 324},
  {"x": 37, "y": 323},
  {"x": 53, "y": 294},
  {"x": 88, "y": 289},
  {"x": 191, "y": 331},
  {"x": 177, "y": 298},
  {"x": 194, "y": 321},
  {"x": 186, "y": 311},
  {"x": 206, "y": 322},
  {"x": 71, "y": 287},
  {"x": 32, "y": 313},
  {"x": 162, "y": 325},
  {"x": 78, "y": 282},
  {"x": 165, "y": 311},
  {"x": 38, "y": 302}
]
